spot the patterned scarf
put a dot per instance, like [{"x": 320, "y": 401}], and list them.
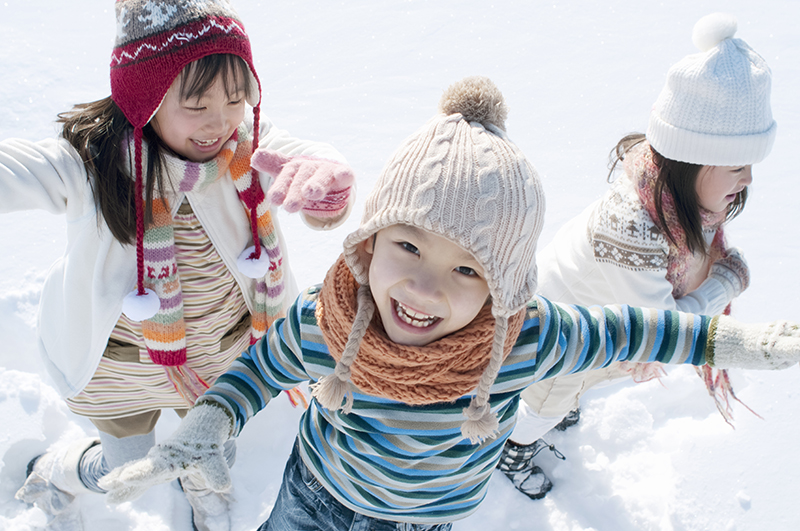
[
  {"x": 165, "y": 332},
  {"x": 441, "y": 371},
  {"x": 640, "y": 167}
]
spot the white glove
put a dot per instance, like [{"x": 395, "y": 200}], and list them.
[
  {"x": 753, "y": 346},
  {"x": 732, "y": 272},
  {"x": 195, "y": 446}
]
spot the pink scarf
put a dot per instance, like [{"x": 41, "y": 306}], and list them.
[{"x": 640, "y": 167}]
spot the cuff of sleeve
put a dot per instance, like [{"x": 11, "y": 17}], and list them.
[
  {"x": 728, "y": 278},
  {"x": 330, "y": 219},
  {"x": 711, "y": 341}
]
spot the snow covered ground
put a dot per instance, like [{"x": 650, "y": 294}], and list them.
[{"x": 363, "y": 74}]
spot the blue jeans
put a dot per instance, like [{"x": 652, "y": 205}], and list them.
[{"x": 304, "y": 504}]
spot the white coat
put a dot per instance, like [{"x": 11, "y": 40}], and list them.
[{"x": 82, "y": 295}]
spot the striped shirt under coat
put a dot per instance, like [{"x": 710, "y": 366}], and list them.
[{"x": 394, "y": 461}]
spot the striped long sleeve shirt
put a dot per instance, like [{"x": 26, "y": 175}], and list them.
[{"x": 400, "y": 462}]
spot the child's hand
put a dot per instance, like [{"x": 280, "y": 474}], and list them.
[
  {"x": 732, "y": 272},
  {"x": 753, "y": 346},
  {"x": 195, "y": 446},
  {"x": 319, "y": 187}
]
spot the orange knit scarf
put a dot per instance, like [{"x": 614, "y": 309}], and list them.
[{"x": 441, "y": 371}]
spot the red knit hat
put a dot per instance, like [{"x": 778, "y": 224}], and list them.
[{"x": 156, "y": 40}]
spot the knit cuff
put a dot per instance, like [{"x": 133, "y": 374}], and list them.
[{"x": 711, "y": 341}]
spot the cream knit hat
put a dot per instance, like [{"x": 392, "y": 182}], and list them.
[
  {"x": 715, "y": 108},
  {"x": 459, "y": 177}
]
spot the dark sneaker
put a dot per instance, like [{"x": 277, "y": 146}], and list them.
[
  {"x": 517, "y": 464},
  {"x": 570, "y": 419}
]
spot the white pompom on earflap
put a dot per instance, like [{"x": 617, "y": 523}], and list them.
[
  {"x": 713, "y": 29},
  {"x": 141, "y": 307},
  {"x": 250, "y": 267}
]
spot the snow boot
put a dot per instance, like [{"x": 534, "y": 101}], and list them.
[
  {"x": 517, "y": 464},
  {"x": 54, "y": 481},
  {"x": 210, "y": 509},
  {"x": 570, "y": 419}
]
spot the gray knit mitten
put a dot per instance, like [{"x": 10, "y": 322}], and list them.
[
  {"x": 733, "y": 344},
  {"x": 197, "y": 445},
  {"x": 732, "y": 272}
]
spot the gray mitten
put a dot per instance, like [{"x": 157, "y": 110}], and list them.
[
  {"x": 753, "y": 346},
  {"x": 732, "y": 272},
  {"x": 195, "y": 446}
]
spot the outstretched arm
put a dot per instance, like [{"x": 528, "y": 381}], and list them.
[
  {"x": 42, "y": 175},
  {"x": 273, "y": 364},
  {"x": 576, "y": 338},
  {"x": 197, "y": 444}
]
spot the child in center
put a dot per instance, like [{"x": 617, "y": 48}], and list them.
[
  {"x": 159, "y": 195},
  {"x": 656, "y": 237},
  {"x": 421, "y": 339}
]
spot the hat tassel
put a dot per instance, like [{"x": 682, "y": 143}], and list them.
[
  {"x": 481, "y": 423},
  {"x": 332, "y": 389}
]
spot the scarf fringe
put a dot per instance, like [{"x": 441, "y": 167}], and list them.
[
  {"x": 297, "y": 397},
  {"x": 719, "y": 387},
  {"x": 644, "y": 372},
  {"x": 186, "y": 381}
]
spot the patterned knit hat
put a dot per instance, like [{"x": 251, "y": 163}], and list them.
[
  {"x": 156, "y": 40},
  {"x": 715, "y": 108},
  {"x": 459, "y": 177}
]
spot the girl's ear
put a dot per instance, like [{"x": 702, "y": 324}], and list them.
[{"x": 368, "y": 245}]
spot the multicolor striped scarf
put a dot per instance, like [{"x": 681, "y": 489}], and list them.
[{"x": 165, "y": 332}]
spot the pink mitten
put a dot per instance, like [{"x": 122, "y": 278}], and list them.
[{"x": 319, "y": 187}]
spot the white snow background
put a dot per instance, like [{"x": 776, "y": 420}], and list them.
[{"x": 363, "y": 75}]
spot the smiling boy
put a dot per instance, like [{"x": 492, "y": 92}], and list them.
[{"x": 412, "y": 406}]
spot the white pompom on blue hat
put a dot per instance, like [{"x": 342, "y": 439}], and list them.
[{"x": 715, "y": 107}]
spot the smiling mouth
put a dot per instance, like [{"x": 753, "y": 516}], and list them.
[
  {"x": 206, "y": 143},
  {"x": 416, "y": 319}
]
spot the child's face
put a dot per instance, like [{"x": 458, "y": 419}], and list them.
[
  {"x": 425, "y": 286},
  {"x": 717, "y": 186},
  {"x": 197, "y": 128}
]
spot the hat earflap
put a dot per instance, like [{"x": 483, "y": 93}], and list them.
[
  {"x": 481, "y": 423},
  {"x": 332, "y": 389}
]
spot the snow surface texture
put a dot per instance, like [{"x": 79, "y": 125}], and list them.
[{"x": 363, "y": 75}]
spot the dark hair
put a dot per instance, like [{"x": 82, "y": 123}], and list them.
[
  {"x": 98, "y": 131},
  {"x": 679, "y": 179}
]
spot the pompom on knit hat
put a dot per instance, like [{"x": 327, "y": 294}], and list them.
[
  {"x": 715, "y": 107},
  {"x": 459, "y": 177},
  {"x": 155, "y": 41}
]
